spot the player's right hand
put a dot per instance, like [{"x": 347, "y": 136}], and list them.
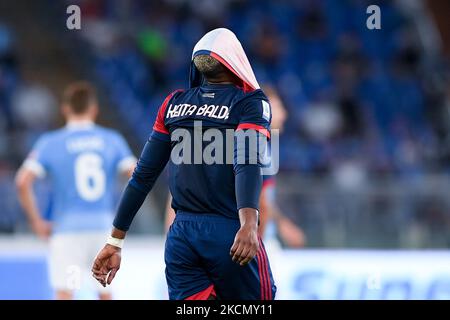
[
  {"x": 41, "y": 228},
  {"x": 106, "y": 264}
]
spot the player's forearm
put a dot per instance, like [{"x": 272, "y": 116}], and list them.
[
  {"x": 24, "y": 185},
  {"x": 152, "y": 161},
  {"x": 28, "y": 203},
  {"x": 248, "y": 179},
  {"x": 118, "y": 234},
  {"x": 130, "y": 203},
  {"x": 248, "y": 184},
  {"x": 248, "y": 217}
]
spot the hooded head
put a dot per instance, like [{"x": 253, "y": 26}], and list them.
[
  {"x": 222, "y": 46},
  {"x": 213, "y": 70}
]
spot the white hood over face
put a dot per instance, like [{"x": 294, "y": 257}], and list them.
[{"x": 223, "y": 45}]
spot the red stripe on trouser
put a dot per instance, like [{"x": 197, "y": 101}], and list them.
[
  {"x": 269, "y": 285},
  {"x": 266, "y": 270},
  {"x": 261, "y": 275}
]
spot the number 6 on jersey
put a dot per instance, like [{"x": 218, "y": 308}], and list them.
[{"x": 90, "y": 177}]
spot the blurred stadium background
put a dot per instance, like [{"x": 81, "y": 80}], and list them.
[{"x": 364, "y": 154}]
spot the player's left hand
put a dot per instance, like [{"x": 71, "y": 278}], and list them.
[
  {"x": 246, "y": 245},
  {"x": 106, "y": 264}
]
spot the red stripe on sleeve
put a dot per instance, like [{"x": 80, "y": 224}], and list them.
[
  {"x": 159, "y": 122},
  {"x": 256, "y": 127}
]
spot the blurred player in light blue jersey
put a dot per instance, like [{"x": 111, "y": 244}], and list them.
[{"x": 82, "y": 161}]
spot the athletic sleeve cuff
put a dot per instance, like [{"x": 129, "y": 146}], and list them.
[{"x": 35, "y": 167}]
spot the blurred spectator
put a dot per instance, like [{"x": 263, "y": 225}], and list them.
[
  {"x": 8, "y": 69},
  {"x": 321, "y": 121},
  {"x": 339, "y": 81}
]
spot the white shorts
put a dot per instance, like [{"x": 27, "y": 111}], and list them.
[{"x": 71, "y": 258}]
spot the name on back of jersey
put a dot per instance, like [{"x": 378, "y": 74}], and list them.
[
  {"x": 205, "y": 110},
  {"x": 86, "y": 143}
]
